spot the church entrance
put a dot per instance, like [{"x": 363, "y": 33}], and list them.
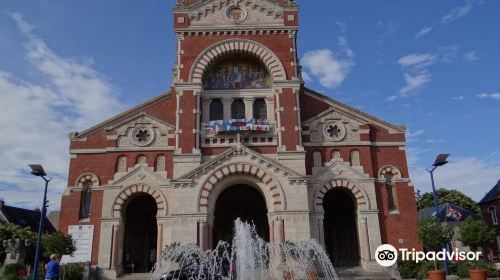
[
  {"x": 239, "y": 201},
  {"x": 139, "y": 248},
  {"x": 340, "y": 225}
]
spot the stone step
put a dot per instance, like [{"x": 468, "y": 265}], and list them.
[
  {"x": 359, "y": 273},
  {"x": 136, "y": 276}
]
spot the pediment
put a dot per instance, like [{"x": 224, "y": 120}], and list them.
[
  {"x": 253, "y": 13},
  {"x": 155, "y": 132},
  {"x": 321, "y": 128},
  {"x": 245, "y": 154},
  {"x": 140, "y": 173},
  {"x": 337, "y": 168}
]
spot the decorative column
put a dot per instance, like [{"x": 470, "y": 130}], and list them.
[
  {"x": 279, "y": 231},
  {"x": 159, "y": 242},
  {"x": 321, "y": 232},
  {"x": 115, "y": 246},
  {"x": 226, "y": 102},
  {"x": 203, "y": 230},
  {"x": 248, "y": 107},
  {"x": 205, "y": 109},
  {"x": 271, "y": 232},
  {"x": 365, "y": 239}
]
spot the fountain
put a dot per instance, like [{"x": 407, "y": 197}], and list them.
[{"x": 247, "y": 257}]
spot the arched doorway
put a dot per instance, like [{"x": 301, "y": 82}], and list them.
[
  {"x": 340, "y": 226},
  {"x": 239, "y": 201},
  {"x": 139, "y": 248}
]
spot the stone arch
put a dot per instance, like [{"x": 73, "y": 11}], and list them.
[
  {"x": 86, "y": 177},
  {"x": 271, "y": 185},
  {"x": 126, "y": 194},
  {"x": 266, "y": 55},
  {"x": 389, "y": 169},
  {"x": 360, "y": 196}
]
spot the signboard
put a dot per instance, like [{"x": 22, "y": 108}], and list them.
[{"x": 83, "y": 235}]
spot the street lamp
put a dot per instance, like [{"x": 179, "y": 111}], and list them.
[
  {"x": 37, "y": 170},
  {"x": 441, "y": 160}
]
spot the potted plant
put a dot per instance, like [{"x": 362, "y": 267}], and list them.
[
  {"x": 475, "y": 233},
  {"x": 433, "y": 235}
]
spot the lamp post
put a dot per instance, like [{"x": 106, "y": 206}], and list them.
[
  {"x": 441, "y": 160},
  {"x": 37, "y": 170}
]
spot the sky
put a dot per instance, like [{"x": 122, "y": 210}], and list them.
[{"x": 430, "y": 65}]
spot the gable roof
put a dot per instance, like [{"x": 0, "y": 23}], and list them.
[
  {"x": 25, "y": 218},
  {"x": 492, "y": 195},
  {"x": 132, "y": 111},
  {"x": 443, "y": 209},
  {"x": 348, "y": 110},
  {"x": 195, "y": 3}
]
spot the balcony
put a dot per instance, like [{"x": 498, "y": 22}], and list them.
[{"x": 251, "y": 132}]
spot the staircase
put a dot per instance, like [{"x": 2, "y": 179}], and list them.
[
  {"x": 136, "y": 276},
  {"x": 358, "y": 273}
]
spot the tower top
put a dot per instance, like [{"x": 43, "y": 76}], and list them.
[{"x": 192, "y": 3}]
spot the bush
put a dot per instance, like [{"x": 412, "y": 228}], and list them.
[
  {"x": 71, "y": 271},
  {"x": 9, "y": 271},
  {"x": 408, "y": 269}
]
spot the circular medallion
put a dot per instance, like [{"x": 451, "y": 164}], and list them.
[
  {"x": 236, "y": 14},
  {"x": 334, "y": 131},
  {"x": 143, "y": 135}
]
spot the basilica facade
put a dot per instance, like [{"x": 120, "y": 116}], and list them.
[{"x": 239, "y": 135}]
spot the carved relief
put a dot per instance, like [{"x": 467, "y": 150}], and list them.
[
  {"x": 143, "y": 131},
  {"x": 121, "y": 165},
  {"x": 355, "y": 161},
  {"x": 160, "y": 163},
  {"x": 331, "y": 127}
]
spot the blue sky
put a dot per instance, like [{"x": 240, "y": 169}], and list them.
[{"x": 431, "y": 65}]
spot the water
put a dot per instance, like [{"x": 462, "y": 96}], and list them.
[{"x": 247, "y": 257}]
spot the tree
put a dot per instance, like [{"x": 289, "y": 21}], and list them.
[
  {"x": 433, "y": 234},
  {"x": 448, "y": 196},
  {"x": 475, "y": 233},
  {"x": 12, "y": 231},
  {"x": 57, "y": 243}
]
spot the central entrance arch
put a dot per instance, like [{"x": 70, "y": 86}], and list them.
[
  {"x": 139, "y": 248},
  {"x": 239, "y": 201},
  {"x": 341, "y": 233}
]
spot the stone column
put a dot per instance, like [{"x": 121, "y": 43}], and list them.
[
  {"x": 279, "y": 231},
  {"x": 159, "y": 242},
  {"x": 271, "y": 115},
  {"x": 115, "y": 246},
  {"x": 271, "y": 232},
  {"x": 205, "y": 110},
  {"x": 248, "y": 107},
  {"x": 365, "y": 240},
  {"x": 210, "y": 237},
  {"x": 226, "y": 102},
  {"x": 203, "y": 230},
  {"x": 321, "y": 232}
]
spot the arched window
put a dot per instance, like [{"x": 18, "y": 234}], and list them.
[
  {"x": 216, "y": 110},
  {"x": 121, "y": 164},
  {"x": 86, "y": 199},
  {"x": 493, "y": 213},
  {"x": 160, "y": 163},
  {"x": 391, "y": 192},
  {"x": 355, "y": 158},
  {"x": 238, "y": 109},
  {"x": 141, "y": 159},
  {"x": 317, "y": 160},
  {"x": 336, "y": 155},
  {"x": 259, "y": 109}
]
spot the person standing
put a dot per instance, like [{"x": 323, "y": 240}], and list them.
[{"x": 52, "y": 268}]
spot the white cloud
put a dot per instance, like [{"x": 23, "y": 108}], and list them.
[
  {"x": 470, "y": 175},
  {"x": 37, "y": 117},
  {"x": 417, "y": 60},
  {"x": 471, "y": 56},
  {"x": 424, "y": 31},
  {"x": 412, "y": 136},
  {"x": 458, "y": 98},
  {"x": 494, "y": 95},
  {"x": 330, "y": 70},
  {"x": 458, "y": 12},
  {"x": 415, "y": 82}
]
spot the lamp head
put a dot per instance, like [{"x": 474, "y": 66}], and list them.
[
  {"x": 441, "y": 160},
  {"x": 37, "y": 170}
]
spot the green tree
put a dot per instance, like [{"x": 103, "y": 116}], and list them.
[
  {"x": 426, "y": 200},
  {"x": 433, "y": 234},
  {"x": 57, "y": 243},
  {"x": 475, "y": 233},
  {"x": 11, "y": 231}
]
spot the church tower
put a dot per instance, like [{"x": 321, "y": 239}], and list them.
[{"x": 238, "y": 135}]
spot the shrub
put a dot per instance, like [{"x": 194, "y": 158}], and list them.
[
  {"x": 425, "y": 267},
  {"x": 408, "y": 269},
  {"x": 9, "y": 271},
  {"x": 71, "y": 271},
  {"x": 475, "y": 233}
]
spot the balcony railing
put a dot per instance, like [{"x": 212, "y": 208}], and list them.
[{"x": 248, "y": 131}]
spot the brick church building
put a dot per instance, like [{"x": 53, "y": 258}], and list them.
[{"x": 239, "y": 135}]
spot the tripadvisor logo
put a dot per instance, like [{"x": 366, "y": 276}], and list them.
[{"x": 387, "y": 255}]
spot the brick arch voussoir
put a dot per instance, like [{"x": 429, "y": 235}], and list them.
[
  {"x": 240, "y": 168},
  {"x": 126, "y": 194},
  {"x": 266, "y": 55},
  {"x": 359, "y": 196}
]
